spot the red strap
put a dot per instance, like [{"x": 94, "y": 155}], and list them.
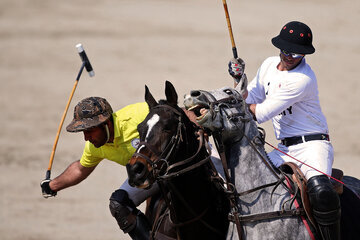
[
  {"x": 304, "y": 163},
  {"x": 302, "y": 217},
  {"x": 305, "y": 223}
]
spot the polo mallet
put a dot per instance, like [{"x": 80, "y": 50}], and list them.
[
  {"x": 230, "y": 30},
  {"x": 89, "y": 69}
]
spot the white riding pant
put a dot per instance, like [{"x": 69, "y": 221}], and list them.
[
  {"x": 318, "y": 154},
  {"x": 139, "y": 195}
]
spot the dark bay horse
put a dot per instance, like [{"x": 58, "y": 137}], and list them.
[
  {"x": 171, "y": 155},
  {"x": 265, "y": 211}
]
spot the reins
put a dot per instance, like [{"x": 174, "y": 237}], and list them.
[
  {"x": 168, "y": 176},
  {"x": 188, "y": 160},
  {"x": 235, "y": 216},
  {"x": 305, "y": 163}
]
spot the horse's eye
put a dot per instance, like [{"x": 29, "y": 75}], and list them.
[{"x": 228, "y": 91}]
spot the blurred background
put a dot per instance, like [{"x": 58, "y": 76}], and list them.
[{"x": 131, "y": 43}]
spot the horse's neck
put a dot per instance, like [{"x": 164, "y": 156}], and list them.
[
  {"x": 188, "y": 194},
  {"x": 188, "y": 150},
  {"x": 189, "y": 144},
  {"x": 195, "y": 184},
  {"x": 247, "y": 160}
]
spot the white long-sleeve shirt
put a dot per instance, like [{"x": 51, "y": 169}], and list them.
[{"x": 289, "y": 98}]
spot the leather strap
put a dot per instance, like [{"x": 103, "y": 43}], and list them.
[{"x": 268, "y": 215}]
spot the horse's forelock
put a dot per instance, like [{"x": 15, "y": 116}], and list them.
[{"x": 162, "y": 102}]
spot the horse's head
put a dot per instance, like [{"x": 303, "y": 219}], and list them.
[
  {"x": 162, "y": 134},
  {"x": 222, "y": 110}
]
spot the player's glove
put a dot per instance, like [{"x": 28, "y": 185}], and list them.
[
  {"x": 236, "y": 68},
  {"x": 46, "y": 190}
]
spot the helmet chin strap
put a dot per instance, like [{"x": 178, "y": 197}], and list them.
[{"x": 107, "y": 133}]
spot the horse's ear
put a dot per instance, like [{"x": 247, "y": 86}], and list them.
[
  {"x": 170, "y": 92},
  {"x": 150, "y": 100}
]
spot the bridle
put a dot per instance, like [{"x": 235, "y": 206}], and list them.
[
  {"x": 162, "y": 172},
  {"x": 159, "y": 162},
  {"x": 171, "y": 149}
]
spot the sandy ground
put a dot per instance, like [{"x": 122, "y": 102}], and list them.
[{"x": 132, "y": 43}]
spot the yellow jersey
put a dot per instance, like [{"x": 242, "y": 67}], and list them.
[{"x": 126, "y": 137}]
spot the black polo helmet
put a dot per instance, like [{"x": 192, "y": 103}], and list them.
[
  {"x": 90, "y": 112},
  {"x": 295, "y": 37}
]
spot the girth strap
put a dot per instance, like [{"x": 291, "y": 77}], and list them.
[{"x": 268, "y": 215}]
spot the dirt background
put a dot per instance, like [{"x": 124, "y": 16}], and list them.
[{"x": 131, "y": 43}]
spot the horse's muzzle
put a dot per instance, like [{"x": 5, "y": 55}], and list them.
[{"x": 137, "y": 174}]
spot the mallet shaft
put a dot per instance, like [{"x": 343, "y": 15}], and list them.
[
  {"x": 59, "y": 130},
  {"x": 234, "y": 50}
]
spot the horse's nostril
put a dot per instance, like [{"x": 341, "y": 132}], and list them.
[
  {"x": 195, "y": 93},
  {"x": 138, "y": 168},
  {"x": 131, "y": 182}
]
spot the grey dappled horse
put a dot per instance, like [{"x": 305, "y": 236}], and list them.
[{"x": 227, "y": 116}]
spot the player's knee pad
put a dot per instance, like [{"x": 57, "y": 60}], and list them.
[
  {"x": 324, "y": 200},
  {"x": 123, "y": 210}
]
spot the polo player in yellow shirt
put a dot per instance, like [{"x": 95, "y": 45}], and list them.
[{"x": 111, "y": 136}]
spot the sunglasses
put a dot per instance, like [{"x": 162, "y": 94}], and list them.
[{"x": 293, "y": 55}]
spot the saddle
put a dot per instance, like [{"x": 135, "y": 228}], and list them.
[
  {"x": 291, "y": 169},
  {"x": 338, "y": 174}
]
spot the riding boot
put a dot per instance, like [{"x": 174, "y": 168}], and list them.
[
  {"x": 326, "y": 208},
  {"x": 142, "y": 228},
  {"x": 129, "y": 218}
]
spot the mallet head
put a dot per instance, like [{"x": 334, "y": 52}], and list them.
[{"x": 85, "y": 59}]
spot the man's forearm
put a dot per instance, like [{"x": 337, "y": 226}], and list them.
[
  {"x": 252, "y": 108},
  {"x": 72, "y": 175}
]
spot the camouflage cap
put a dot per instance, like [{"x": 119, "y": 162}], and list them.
[{"x": 88, "y": 113}]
